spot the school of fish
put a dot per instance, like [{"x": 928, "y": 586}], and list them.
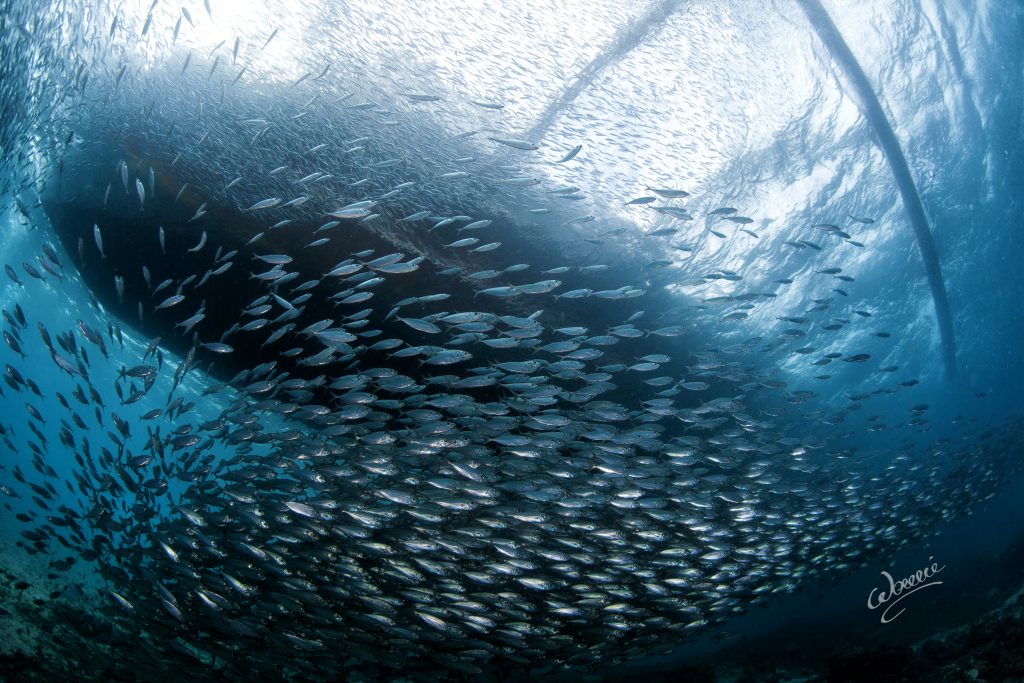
[{"x": 332, "y": 409}]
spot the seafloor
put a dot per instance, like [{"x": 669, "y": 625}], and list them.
[{"x": 987, "y": 646}]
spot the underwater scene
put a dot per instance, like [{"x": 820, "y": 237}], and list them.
[{"x": 616, "y": 340}]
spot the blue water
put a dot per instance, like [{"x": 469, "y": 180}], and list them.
[{"x": 743, "y": 106}]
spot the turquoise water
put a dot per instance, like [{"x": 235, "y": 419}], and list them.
[{"x": 656, "y": 365}]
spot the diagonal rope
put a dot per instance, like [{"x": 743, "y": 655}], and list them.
[
  {"x": 627, "y": 40},
  {"x": 890, "y": 146}
]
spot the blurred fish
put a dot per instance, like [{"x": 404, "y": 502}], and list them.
[{"x": 570, "y": 155}]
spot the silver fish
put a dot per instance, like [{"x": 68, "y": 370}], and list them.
[{"x": 98, "y": 238}]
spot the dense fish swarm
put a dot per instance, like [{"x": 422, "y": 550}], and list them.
[{"x": 407, "y": 451}]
